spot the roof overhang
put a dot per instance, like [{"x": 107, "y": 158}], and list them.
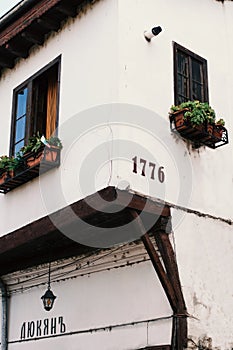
[
  {"x": 29, "y": 24},
  {"x": 41, "y": 241}
]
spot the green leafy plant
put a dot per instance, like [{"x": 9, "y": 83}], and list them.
[
  {"x": 34, "y": 145},
  {"x": 8, "y": 163},
  {"x": 196, "y": 112},
  {"x": 55, "y": 141},
  {"x": 37, "y": 142},
  {"x": 220, "y": 122}
]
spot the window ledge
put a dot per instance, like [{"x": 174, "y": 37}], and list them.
[
  {"x": 200, "y": 135},
  {"x": 46, "y": 160}
]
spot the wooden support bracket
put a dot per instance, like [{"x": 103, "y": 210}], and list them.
[{"x": 168, "y": 275}]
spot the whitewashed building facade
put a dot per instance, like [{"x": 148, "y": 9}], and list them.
[{"x": 133, "y": 221}]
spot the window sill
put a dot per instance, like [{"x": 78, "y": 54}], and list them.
[
  {"x": 28, "y": 173},
  {"x": 201, "y": 135}
]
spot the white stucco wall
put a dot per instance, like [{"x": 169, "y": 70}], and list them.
[
  {"x": 86, "y": 302},
  {"x": 114, "y": 63},
  {"x": 88, "y": 78},
  {"x": 204, "y": 252},
  {"x": 146, "y": 79}
]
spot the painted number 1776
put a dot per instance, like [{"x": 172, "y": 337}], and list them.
[{"x": 145, "y": 168}]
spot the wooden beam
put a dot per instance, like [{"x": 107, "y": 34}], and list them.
[
  {"x": 83, "y": 209},
  {"x": 167, "y": 253},
  {"x": 34, "y": 38},
  {"x": 66, "y": 10},
  {"x": 135, "y": 201},
  {"x": 169, "y": 260},
  {"x": 48, "y": 23},
  {"x": 91, "y": 209},
  {"x": 6, "y": 59},
  {"x": 26, "y": 19},
  {"x": 66, "y": 216},
  {"x": 6, "y": 53},
  {"x": 17, "y": 50},
  {"x": 169, "y": 278},
  {"x": 156, "y": 262}
]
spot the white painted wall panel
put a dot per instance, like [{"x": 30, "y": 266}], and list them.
[{"x": 107, "y": 298}]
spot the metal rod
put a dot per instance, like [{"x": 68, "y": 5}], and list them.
[{"x": 49, "y": 275}]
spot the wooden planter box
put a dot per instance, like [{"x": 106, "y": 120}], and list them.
[
  {"x": 199, "y": 135},
  {"x": 47, "y": 154},
  {"x": 35, "y": 165}
]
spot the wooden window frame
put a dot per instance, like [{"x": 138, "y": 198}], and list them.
[
  {"x": 191, "y": 56},
  {"x": 28, "y": 83}
]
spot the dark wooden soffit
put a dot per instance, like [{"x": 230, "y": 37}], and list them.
[
  {"x": 29, "y": 24},
  {"x": 41, "y": 241}
]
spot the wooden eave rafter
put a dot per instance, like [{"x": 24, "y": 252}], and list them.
[{"x": 30, "y": 24}]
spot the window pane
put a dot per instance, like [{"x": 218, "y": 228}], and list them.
[
  {"x": 18, "y": 146},
  {"x": 190, "y": 76},
  {"x": 182, "y": 77},
  {"x": 21, "y": 103},
  {"x": 20, "y": 129},
  {"x": 182, "y": 86},
  {"x": 197, "y": 81},
  {"x": 196, "y": 71},
  {"x": 197, "y": 92},
  {"x": 182, "y": 62}
]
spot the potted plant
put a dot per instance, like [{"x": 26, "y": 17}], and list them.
[
  {"x": 218, "y": 128},
  {"x": 7, "y": 167},
  {"x": 54, "y": 145},
  {"x": 193, "y": 114},
  {"x": 32, "y": 151},
  {"x": 35, "y": 150}
]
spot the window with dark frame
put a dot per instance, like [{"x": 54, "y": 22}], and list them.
[
  {"x": 35, "y": 106},
  {"x": 190, "y": 76}
]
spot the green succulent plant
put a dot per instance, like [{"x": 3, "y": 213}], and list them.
[{"x": 196, "y": 112}]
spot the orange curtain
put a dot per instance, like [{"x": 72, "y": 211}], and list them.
[{"x": 51, "y": 105}]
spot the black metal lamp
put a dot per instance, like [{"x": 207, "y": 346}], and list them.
[{"x": 48, "y": 298}]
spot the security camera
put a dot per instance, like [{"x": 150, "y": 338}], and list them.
[{"x": 149, "y": 34}]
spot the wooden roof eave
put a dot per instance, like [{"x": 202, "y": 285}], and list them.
[
  {"x": 29, "y": 25},
  {"x": 41, "y": 241}
]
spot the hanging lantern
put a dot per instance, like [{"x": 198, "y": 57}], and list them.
[{"x": 48, "y": 298}]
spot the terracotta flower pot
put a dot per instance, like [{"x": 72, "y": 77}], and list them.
[
  {"x": 11, "y": 173},
  {"x": 200, "y": 127},
  {"x": 3, "y": 177},
  {"x": 178, "y": 117},
  {"x": 33, "y": 159},
  {"x": 210, "y": 128},
  {"x": 51, "y": 154},
  {"x": 218, "y": 131}
]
